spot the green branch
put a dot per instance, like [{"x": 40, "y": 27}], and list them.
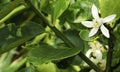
[{"x": 63, "y": 37}]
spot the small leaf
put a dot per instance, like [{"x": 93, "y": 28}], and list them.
[
  {"x": 44, "y": 53},
  {"x": 84, "y": 35}
]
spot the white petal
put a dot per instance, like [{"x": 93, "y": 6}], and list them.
[
  {"x": 92, "y": 70},
  {"x": 98, "y": 55},
  {"x": 109, "y": 18},
  {"x": 88, "y": 53},
  {"x": 93, "y": 60},
  {"x": 88, "y": 24},
  {"x": 105, "y": 31},
  {"x": 93, "y": 32},
  {"x": 95, "y": 12}
]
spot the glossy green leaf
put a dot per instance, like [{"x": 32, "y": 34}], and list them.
[
  {"x": 59, "y": 7},
  {"x": 73, "y": 36},
  {"x": 47, "y": 6},
  {"x": 108, "y": 7},
  {"x": 9, "y": 7},
  {"x": 44, "y": 53},
  {"x": 77, "y": 12},
  {"x": 84, "y": 12},
  {"x": 84, "y": 35},
  {"x": 11, "y": 37},
  {"x": 54, "y": 7}
]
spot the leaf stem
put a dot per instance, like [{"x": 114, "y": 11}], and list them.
[
  {"x": 11, "y": 6},
  {"x": 63, "y": 37}
]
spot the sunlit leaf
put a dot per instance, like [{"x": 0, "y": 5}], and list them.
[
  {"x": 46, "y": 67},
  {"x": 54, "y": 7},
  {"x": 47, "y": 6},
  {"x": 77, "y": 12},
  {"x": 44, "y": 53},
  {"x": 59, "y": 7},
  {"x": 108, "y": 7}
]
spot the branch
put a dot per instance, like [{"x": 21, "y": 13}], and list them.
[
  {"x": 63, "y": 37},
  {"x": 110, "y": 52}
]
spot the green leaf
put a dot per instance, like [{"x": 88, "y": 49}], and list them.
[
  {"x": 54, "y": 7},
  {"x": 11, "y": 37},
  {"x": 46, "y": 67},
  {"x": 77, "y": 12},
  {"x": 59, "y": 7},
  {"x": 108, "y": 7},
  {"x": 116, "y": 32},
  {"x": 47, "y": 6},
  {"x": 96, "y": 2},
  {"x": 84, "y": 12},
  {"x": 116, "y": 53},
  {"x": 84, "y": 35},
  {"x": 14, "y": 67},
  {"x": 44, "y": 53},
  {"x": 9, "y": 7},
  {"x": 73, "y": 36}
]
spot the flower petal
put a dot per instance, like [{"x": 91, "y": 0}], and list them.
[
  {"x": 88, "y": 53},
  {"x": 88, "y": 24},
  {"x": 105, "y": 31},
  {"x": 92, "y": 70},
  {"x": 98, "y": 55},
  {"x": 109, "y": 18},
  {"x": 95, "y": 12},
  {"x": 93, "y": 32}
]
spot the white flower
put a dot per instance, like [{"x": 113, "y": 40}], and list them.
[
  {"x": 95, "y": 55},
  {"x": 98, "y": 23}
]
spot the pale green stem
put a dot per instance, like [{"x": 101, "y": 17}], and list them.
[
  {"x": 28, "y": 19},
  {"x": 18, "y": 9}
]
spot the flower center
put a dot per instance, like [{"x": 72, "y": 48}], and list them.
[{"x": 96, "y": 24}]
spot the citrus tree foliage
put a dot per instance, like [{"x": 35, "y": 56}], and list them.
[{"x": 59, "y": 36}]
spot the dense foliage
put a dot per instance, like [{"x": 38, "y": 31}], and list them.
[{"x": 59, "y": 35}]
